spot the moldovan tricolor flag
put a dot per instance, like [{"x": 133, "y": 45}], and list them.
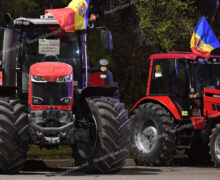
[
  {"x": 203, "y": 40},
  {"x": 72, "y": 18}
]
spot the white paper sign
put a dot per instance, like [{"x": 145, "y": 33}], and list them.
[{"x": 49, "y": 46}]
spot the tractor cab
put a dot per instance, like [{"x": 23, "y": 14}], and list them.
[
  {"x": 189, "y": 81},
  {"x": 42, "y": 40},
  {"x": 30, "y": 40}
]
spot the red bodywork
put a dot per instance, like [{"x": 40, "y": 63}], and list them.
[
  {"x": 177, "y": 55},
  {"x": 51, "y": 71},
  {"x": 211, "y": 98},
  {"x": 198, "y": 122},
  {"x": 95, "y": 79},
  {"x": 164, "y": 100},
  {"x": 211, "y": 107},
  {"x": 1, "y": 78}
]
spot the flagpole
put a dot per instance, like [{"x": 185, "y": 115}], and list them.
[{"x": 217, "y": 6}]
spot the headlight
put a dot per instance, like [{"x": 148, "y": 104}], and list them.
[
  {"x": 103, "y": 62},
  {"x": 40, "y": 79},
  {"x": 37, "y": 100},
  {"x": 103, "y": 76},
  {"x": 20, "y": 22},
  {"x": 66, "y": 100},
  {"x": 64, "y": 79}
]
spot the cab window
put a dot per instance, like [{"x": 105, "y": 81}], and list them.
[
  {"x": 160, "y": 77},
  {"x": 178, "y": 77}
]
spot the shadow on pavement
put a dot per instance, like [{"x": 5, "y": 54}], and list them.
[
  {"x": 125, "y": 171},
  {"x": 186, "y": 162},
  {"x": 37, "y": 167}
]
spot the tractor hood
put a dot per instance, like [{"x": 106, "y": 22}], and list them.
[
  {"x": 51, "y": 69},
  {"x": 211, "y": 102}
]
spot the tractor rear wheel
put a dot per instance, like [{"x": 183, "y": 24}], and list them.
[
  {"x": 13, "y": 135},
  {"x": 110, "y": 137},
  {"x": 153, "y": 140},
  {"x": 214, "y": 145}
]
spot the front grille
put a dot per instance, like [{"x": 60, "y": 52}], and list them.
[
  {"x": 213, "y": 107},
  {"x": 216, "y": 107},
  {"x": 50, "y": 93}
]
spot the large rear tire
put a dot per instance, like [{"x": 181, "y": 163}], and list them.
[
  {"x": 111, "y": 139},
  {"x": 214, "y": 145},
  {"x": 13, "y": 135},
  {"x": 153, "y": 137}
]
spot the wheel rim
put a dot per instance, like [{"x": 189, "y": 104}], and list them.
[
  {"x": 147, "y": 138},
  {"x": 217, "y": 146},
  {"x": 87, "y": 149}
]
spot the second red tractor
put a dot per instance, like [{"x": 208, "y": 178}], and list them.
[{"x": 181, "y": 110}]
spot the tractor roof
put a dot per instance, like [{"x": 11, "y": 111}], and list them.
[
  {"x": 178, "y": 55},
  {"x": 46, "y": 19}
]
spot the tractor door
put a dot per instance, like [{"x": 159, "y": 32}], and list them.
[
  {"x": 179, "y": 86},
  {"x": 170, "y": 78}
]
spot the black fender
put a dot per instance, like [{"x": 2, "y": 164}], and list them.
[{"x": 92, "y": 91}]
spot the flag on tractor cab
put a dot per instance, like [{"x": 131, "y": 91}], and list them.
[
  {"x": 203, "y": 39},
  {"x": 72, "y": 18}
]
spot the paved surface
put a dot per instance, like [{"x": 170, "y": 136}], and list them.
[{"x": 128, "y": 173}]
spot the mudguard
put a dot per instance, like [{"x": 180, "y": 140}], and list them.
[{"x": 163, "y": 100}]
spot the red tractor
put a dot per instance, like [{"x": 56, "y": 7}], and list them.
[
  {"x": 181, "y": 110},
  {"x": 50, "y": 96}
]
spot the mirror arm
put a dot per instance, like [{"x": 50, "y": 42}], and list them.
[
  {"x": 97, "y": 28},
  {"x": 9, "y": 20}
]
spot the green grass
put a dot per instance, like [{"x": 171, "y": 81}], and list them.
[
  {"x": 35, "y": 153},
  {"x": 65, "y": 152},
  {"x": 180, "y": 154}
]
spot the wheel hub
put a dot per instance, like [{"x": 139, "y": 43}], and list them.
[
  {"x": 217, "y": 146},
  {"x": 148, "y": 139}
]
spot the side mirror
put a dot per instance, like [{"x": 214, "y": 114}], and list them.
[
  {"x": 9, "y": 20},
  {"x": 9, "y": 57},
  {"x": 106, "y": 38}
]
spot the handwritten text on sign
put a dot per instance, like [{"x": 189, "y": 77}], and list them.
[{"x": 49, "y": 46}]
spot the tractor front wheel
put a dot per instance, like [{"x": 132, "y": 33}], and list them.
[
  {"x": 214, "y": 145},
  {"x": 153, "y": 137},
  {"x": 108, "y": 147},
  {"x": 13, "y": 135}
]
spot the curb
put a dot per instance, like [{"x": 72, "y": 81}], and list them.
[{"x": 59, "y": 163}]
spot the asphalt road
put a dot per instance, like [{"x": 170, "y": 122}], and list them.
[{"x": 128, "y": 173}]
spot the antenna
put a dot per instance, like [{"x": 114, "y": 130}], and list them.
[{"x": 51, "y": 4}]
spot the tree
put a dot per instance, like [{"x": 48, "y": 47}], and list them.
[
  {"x": 23, "y": 8},
  {"x": 168, "y": 24}
]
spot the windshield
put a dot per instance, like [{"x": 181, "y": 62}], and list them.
[
  {"x": 46, "y": 44},
  {"x": 207, "y": 74}
]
